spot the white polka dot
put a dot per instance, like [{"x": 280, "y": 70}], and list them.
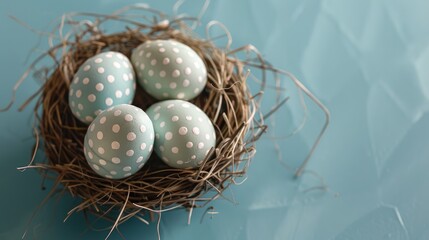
[
  {"x": 127, "y": 168},
  {"x": 103, "y": 120},
  {"x": 170, "y": 105},
  {"x": 200, "y": 145},
  {"x": 196, "y": 130},
  {"x": 95, "y": 166},
  {"x": 150, "y": 72},
  {"x": 116, "y": 160},
  {"x": 176, "y": 50},
  {"x": 197, "y": 90},
  {"x": 100, "y": 70},
  {"x": 175, "y": 150},
  {"x": 189, "y": 118},
  {"x": 110, "y": 78},
  {"x": 109, "y": 55},
  {"x": 100, "y": 135},
  {"x": 151, "y": 136},
  {"x": 128, "y": 118},
  {"x": 189, "y": 144},
  {"x": 117, "y": 65},
  {"x": 130, "y": 153},
  {"x": 179, "y": 60},
  {"x": 92, "y": 127},
  {"x": 115, "y": 145},
  {"x": 141, "y": 53},
  {"x": 197, "y": 66},
  {"x": 80, "y": 106},
  {"x": 180, "y": 162},
  {"x": 108, "y": 176},
  {"x": 113, "y": 172},
  {"x": 157, "y": 136},
  {"x": 73, "y": 104},
  {"x": 162, "y": 73},
  {"x": 71, "y": 92},
  {"x": 175, "y": 73},
  {"x": 117, "y": 112},
  {"x": 165, "y": 94},
  {"x": 153, "y": 62},
  {"x": 99, "y": 87},
  {"x": 207, "y": 136},
  {"x": 90, "y": 143},
  {"x": 91, "y": 97},
  {"x": 131, "y": 136},
  {"x": 183, "y": 131},
  {"x": 200, "y": 79},
  {"x": 150, "y": 148},
  {"x": 188, "y": 71},
  {"x": 127, "y": 91},
  {"x": 173, "y": 85},
  {"x": 157, "y": 108},
  {"x": 90, "y": 155},
  {"x": 85, "y": 81},
  {"x": 168, "y": 136},
  {"x": 193, "y": 157},
  {"x": 142, "y": 66},
  {"x": 118, "y": 94},
  {"x": 161, "y": 148},
  {"x": 139, "y": 159},
  {"x": 101, "y": 150},
  {"x": 161, "y": 50},
  {"x": 89, "y": 118},
  {"x": 143, "y": 128},
  {"x": 86, "y": 68},
  {"x": 186, "y": 82},
  {"x": 76, "y": 80},
  {"x": 156, "y": 116},
  {"x": 125, "y": 77},
  {"x": 98, "y": 60},
  {"x": 180, "y": 95},
  {"x": 143, "y": 146},
  {"x": 148, "y": 54},
  {"x": 158, "y": 85},
  {"x": 109, "y": 101},
  {"x": 200, "y": 119},
  {"x": 78, "y": 93},
  {"x": 175, "y": 118},
  {"x": 165, "y": 61},
  {"x": 102, "y": 162},
  {"x": 78, "y": 114},
  {"x": 116, "y": 128},
  {"x": 162, "y": 124},
  {"x": 127, "y": 174}
]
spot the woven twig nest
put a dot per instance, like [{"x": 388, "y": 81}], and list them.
[{"x": 226, "y": 100}]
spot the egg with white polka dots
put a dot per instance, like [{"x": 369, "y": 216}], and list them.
[
  {"x": 184, "y": 134},
  {"x": 119, "y": 141},
  {"x": 104, "y": 80},
  {"x": 168, "y": 69}
]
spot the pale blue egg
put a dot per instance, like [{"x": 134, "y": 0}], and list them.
[
  {"x": 184, "y": 134},
  {"x": 105, "y": 80},
  {"x": 168, "y": 69},
  {"x": 119, "y": 141}
]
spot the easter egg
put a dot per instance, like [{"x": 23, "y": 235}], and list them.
[
  {"x": 184, "y": 133},
  {"x": 102, "y": 81},
  {"x": 119, "y": 141},
  {"x": 168, "y": 69}
]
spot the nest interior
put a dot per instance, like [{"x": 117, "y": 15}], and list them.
[{"x": 226, "y": 100}]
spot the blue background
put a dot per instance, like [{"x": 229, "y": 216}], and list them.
[{"x": 368, "y": 61}]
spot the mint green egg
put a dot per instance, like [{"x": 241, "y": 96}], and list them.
[
  {"x": 119, "y": 141},
  {"x": 104, "y": 80},
  {"x": 183, "y": 133},
  {"x": 168, "y": 69}
]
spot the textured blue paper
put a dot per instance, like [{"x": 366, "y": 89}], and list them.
[{"x": 368, "y": 61}]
